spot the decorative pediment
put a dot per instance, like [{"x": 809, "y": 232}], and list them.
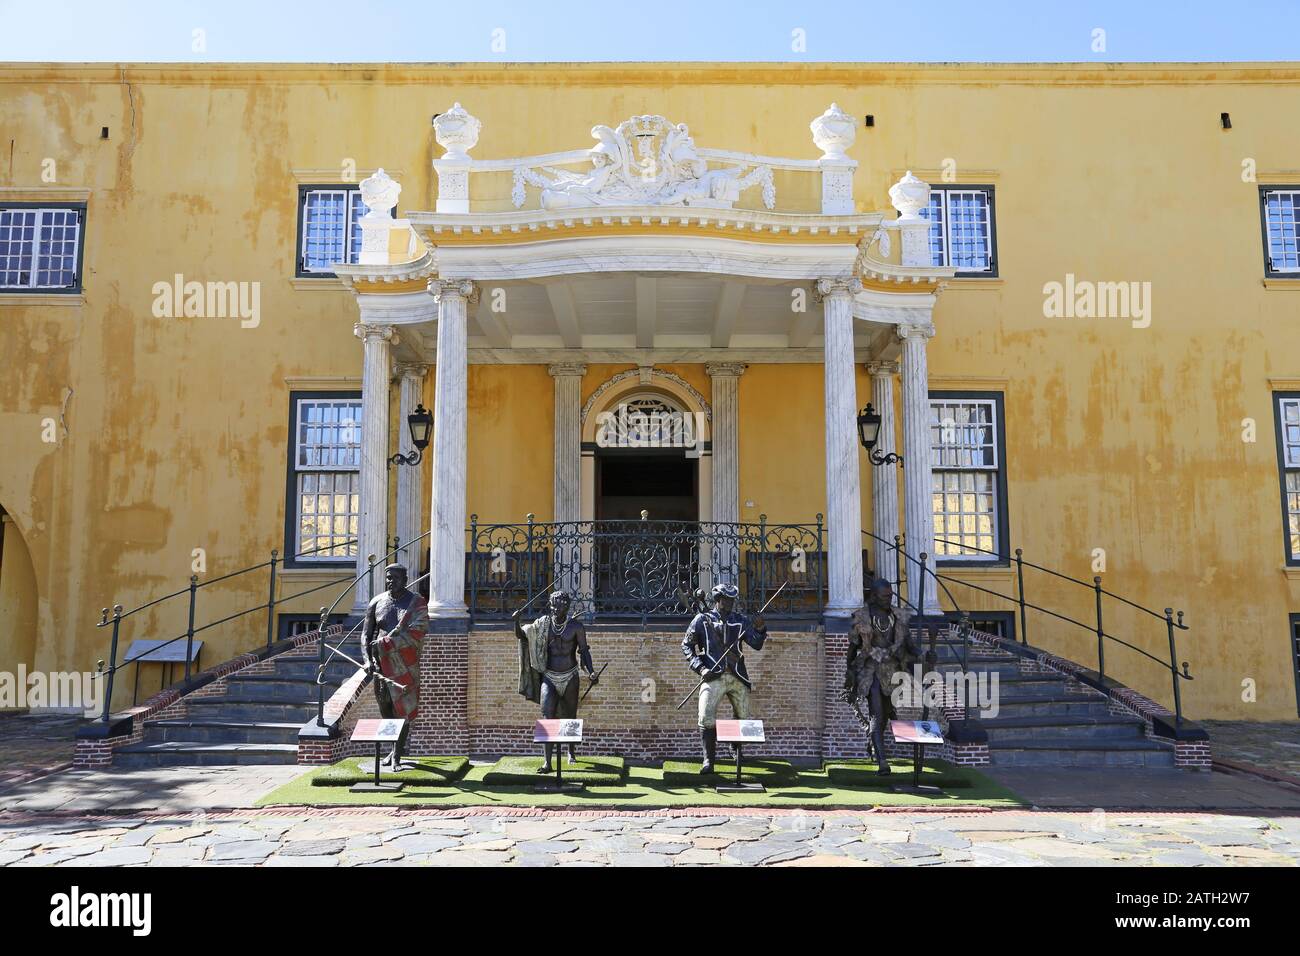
[{"x": 645, "y": 161}]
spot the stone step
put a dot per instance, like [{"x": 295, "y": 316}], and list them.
[
  {"x": 1072, "y": 704},
  {"x": 273, "y": 687},
  {"x": 173, "y": 754},
  {"x": 1053, "y": 727},
  {"x": 303, "y": 668},
  {"x": 218, "y": 708},
  {"x": 217, "y": 730},
  {"x": 1013, "y": 752}
]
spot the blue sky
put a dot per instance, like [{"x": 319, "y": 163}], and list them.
[{"x": 488, "y": 30}]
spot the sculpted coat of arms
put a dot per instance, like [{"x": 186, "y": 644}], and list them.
[{"x": 646, "y": 161}]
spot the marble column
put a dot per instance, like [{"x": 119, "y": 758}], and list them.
[
  {"x": 410, "y": 478},
  {"x": 918, "y": 513},
  {"x": 447, "y": 516},
  {"x": 568, "y": 469},
  {"x": 843, "y": 490},
  {"x": 884, "y": 478},
  {"x": 372, "y": 533},
  {"x": 725, "y": 377}
]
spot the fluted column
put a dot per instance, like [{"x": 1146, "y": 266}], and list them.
[
  {"x": 918, "y": 513},
  {"x": 725, "y": 377},
  {"x": 568, "y": 467},
  {"x": 447, "y": 517},
  {"x": 372, "y": 530},
  {"x": 410, "y": 478},
  {"x": 884, "y": 478},
  {"x": 843, "y": 491}
]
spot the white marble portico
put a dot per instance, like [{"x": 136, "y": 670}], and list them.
[{"x": 646, "y": 249}]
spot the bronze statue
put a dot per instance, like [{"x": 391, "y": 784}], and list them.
[
  {"x": 713, "y": 646},
  {"x": 880, "y": 645},
  {"x": 549, "y": 652},
  {"x": 395, "y": 624}
]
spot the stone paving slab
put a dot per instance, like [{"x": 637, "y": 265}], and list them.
[
  {"x": 1272, "y": 745},
  {"x": 913, "y": 838}
]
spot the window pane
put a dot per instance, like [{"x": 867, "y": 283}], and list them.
[
  {"x": 1293, "y": 512},
  {"x": 1280, "y": 221},
  {"x": 38, "y": 248},
  {"x": 324, "y": 221},
  {"x": 325, "y": 519},
  {"x": 964, "y": 460}
]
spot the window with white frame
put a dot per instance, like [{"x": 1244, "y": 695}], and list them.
[
  {"x": 1288, "y": 452},
  {"x": 962, "y": 232},
  {"x": 966, "y": 479},
  {"x": 40, "y": 248},
  {"x": 329, "y": 226},
  {"x": 326, "y": 478},
  {"x": 1281, "y": 233}
]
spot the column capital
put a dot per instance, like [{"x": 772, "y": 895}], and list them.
[
  {"x": 462, "y": 288},
  {"x": 909, "y": 331},
  {"x": 725, "y": 369},
  {"x": 410, "y": 369},
  {"x": 827, "y": 288},
  {"x": 881, "y": 369},
  {"x": 564, "y": 369},
  {"x": 366, "y": 330}
]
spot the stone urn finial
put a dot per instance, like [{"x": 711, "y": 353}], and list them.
[
  {"x": 909, "y": 196},
  {"x": 456, "y": 132},
  {"x": 379, "y": 192},
  {"x": 834, "y": 132}
]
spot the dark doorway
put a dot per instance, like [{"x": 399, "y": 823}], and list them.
[
  {"x": 639, "y": 568},
  {"x": 664, "y": 483}
]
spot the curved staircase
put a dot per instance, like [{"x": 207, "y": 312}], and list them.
[
  {"x": 1048, "y": 719},
  {"x": 255, "y": 720}
]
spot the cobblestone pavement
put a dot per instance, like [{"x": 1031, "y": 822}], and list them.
[
  {"x": 1273, "y": 746},
  {"x": 693, "y": 838},
  {"x": 35, "y": 743}
]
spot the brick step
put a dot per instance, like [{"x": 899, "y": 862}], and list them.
[
  {"x": 1061, "y": 727},
  {"x": 1011, "y": 752},
  {"x": 174, "y": 754},
  {"x": 221, "y": 731}
]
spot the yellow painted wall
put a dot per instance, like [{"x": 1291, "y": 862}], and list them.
[
  {"x": 1118, "y": 438},
  {"x": 18, "y": 600}
]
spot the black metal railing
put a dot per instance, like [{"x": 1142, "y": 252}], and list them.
[
  {"x": 107, "y": 670},
  {"x": 645, "y": 570},
  {"x": 1096, "y": 626}
]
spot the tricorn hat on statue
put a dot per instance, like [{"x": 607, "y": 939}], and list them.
[{"x": 725, "y": 590}]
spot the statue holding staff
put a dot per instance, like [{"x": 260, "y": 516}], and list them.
[
  {"x": 550, "y": 649},
  {"x": 395, "y": 624}
]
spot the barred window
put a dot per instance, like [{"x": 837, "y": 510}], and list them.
[
  {"x": 326, "y": 468},
  {"x": 1288, "y": 437},
  {"x": 962, "y": 228},
  {"x": 1281, "y": 235},
  {"x": 966, "y": 485},
  {"x": 330, "y": 227},
  {"x": 40, "y": 248}
]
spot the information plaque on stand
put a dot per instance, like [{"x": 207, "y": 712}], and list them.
[{"x": 739, "y": 733}]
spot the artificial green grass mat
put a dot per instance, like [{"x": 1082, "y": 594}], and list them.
[
  {"x": 686, "y": 772},
  {"x": 862, "y": 773},
  {"x": 643, "y": 788},
  {"x": 430, "y": 771},
  {"x": 520, "y": 771}
]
